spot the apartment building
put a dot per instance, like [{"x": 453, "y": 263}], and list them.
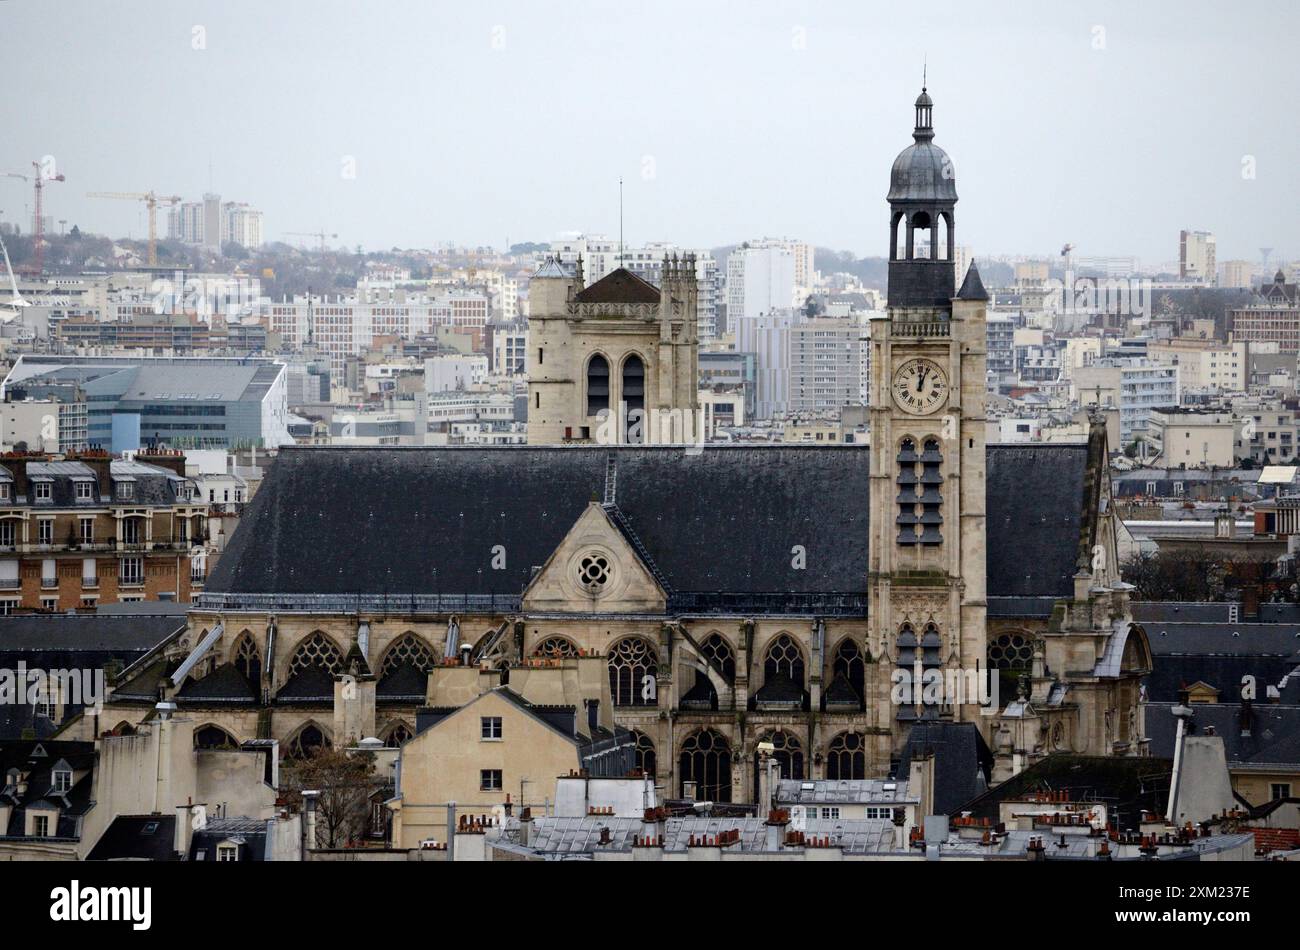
[
  {"x": 829, "y": 365},
  {"x": 1268, "y": 435},
  {"x": 760, "y": 279},
  {"x": 89, "y": 530},
  {"x": 340, "y": 327},
  {"x": 43, "y": 425},
  {"x": 1272, "y": 316},
  {"x": 1204, "y": 365},
  {"x": 1134, "y": 385},
  {"x": 1188, "y": 438},
  {"x": 1196, "y": 251}
]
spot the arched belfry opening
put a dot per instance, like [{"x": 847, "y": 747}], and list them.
[{"x": 922, "y": 234}]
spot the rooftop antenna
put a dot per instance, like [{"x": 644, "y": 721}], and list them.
[
  {"x": 620, "y": 221},
  {"x": 925, "y": 69}
]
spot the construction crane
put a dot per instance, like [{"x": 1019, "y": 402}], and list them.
[
  {"x": 38, "y": 230},
  {"x": 319, "y": 235},
  {"x": 151, "y": 200}
]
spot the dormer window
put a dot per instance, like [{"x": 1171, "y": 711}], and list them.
[
  {"x": 61, "y": 781},
  {"x": 41, "y": 491},
  {"x": 6, "y": 492},
  {"x": 85, "y": 491},
  {"x": 227, "y": 852},
  {"x": 125, "y": 491}
]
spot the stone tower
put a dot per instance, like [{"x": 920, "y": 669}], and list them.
[
  {"x": 927, "y": 581},
  {"x": 615, "y": 362}
]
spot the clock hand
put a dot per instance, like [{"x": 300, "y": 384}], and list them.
[{"x": 920, "y": 380}]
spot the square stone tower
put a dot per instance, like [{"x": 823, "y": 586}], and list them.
[
  {"x": 928, "y": 357},
  {"x": 614, "y": 363}
]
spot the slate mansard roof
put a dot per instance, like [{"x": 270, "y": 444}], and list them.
[{"x": 720, "y": 528}]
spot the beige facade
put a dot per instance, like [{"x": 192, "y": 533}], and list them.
[
  {"x": 615, "y": 362},
  {"x": 1188, "y": 439}
]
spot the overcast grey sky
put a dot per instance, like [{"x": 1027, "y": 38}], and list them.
[{"x": 1109, "y": 125}]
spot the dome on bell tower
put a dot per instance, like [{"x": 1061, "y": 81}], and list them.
[
  {"x": 922, "y": 171},
  {"x": 922, "y": 215}
]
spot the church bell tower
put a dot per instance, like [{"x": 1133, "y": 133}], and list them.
[{"x": 928, "y": 355}]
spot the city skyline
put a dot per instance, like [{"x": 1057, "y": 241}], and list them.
[{"x": 707, "y": 115}]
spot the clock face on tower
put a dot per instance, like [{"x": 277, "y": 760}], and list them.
[{"x": 920, "y": 386}]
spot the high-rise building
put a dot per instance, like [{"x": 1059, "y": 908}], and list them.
[
  {"x": 212, "y": 223},
  {"x": 760, "y": 278},
  {"x": 1237, "y": 274},
  {"x": 1196, "y": 256}
]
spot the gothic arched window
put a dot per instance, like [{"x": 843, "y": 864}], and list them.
[
  {"x": 247, "y": 658},
  {"x": 398, "y": 733},
  {"x": 645, "y": 753},
  {"x": 846, "y": 757},
  {"x": 556, "y": 647},
  {"x": 783, "y": 658},
  {"x": 789, "y": 752},
  {"x": 597, "y": 385},
  {"x": 706, "y": 761},
  {"x": 316, "y": 650},
  {"x": 407, "y": 650},
  {"x": 214, "y": 737},
  {"x": 718, "y": 654},
  {"x": 307, "y": 740},
  {"x": 632, "y": 671},
  {"x": 849, "y": 664},
  {"x": 1011, "y": 655}
]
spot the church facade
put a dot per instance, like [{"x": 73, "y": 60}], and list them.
[{"x": 736, "y": 596}]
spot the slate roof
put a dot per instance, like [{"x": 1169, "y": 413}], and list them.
[
  {"x": 37, "y": 758},
  {"x": 619, "y": 286},
  {"x": 225, "y": 682},
  {"x": 22, "y": 633},
  {"x": 72, "y": 642},
  {"x": 972, "y": 288},
  {"x": 1125, "y": 784},
  {"x": 962, "y": 761},
  {"x": 136, "y": 837},
  {"x": 401, "y": 523},
  {"x": 1273, "y": 739},
  {"x": 1035, "y": 512}
]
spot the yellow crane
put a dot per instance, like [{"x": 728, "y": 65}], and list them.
[{"x": 151, "y": 200}]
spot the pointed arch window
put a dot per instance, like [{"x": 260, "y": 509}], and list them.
[
  {"x": 307, "y": 740},
  {"x": 316, "y": 650},
  {"x": 632, "y": 671},
  {"x": 850, "y": 665},
  {"x": 718, "y": 654},
  {"x": 248, "y": 659},
  {"x": 398, "y": 733},
  {"x": 214, "y": 737},
  {"x": 846, "y": 757},
  {"x": 407, "y": 650},
  {"x": 556, "y": 647},
  {"x": 645, "y": 753},
  {"x": 783, "y": 658},
  {"x": 789, "y": 752},
  {"x": 706, "y": 761}
]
